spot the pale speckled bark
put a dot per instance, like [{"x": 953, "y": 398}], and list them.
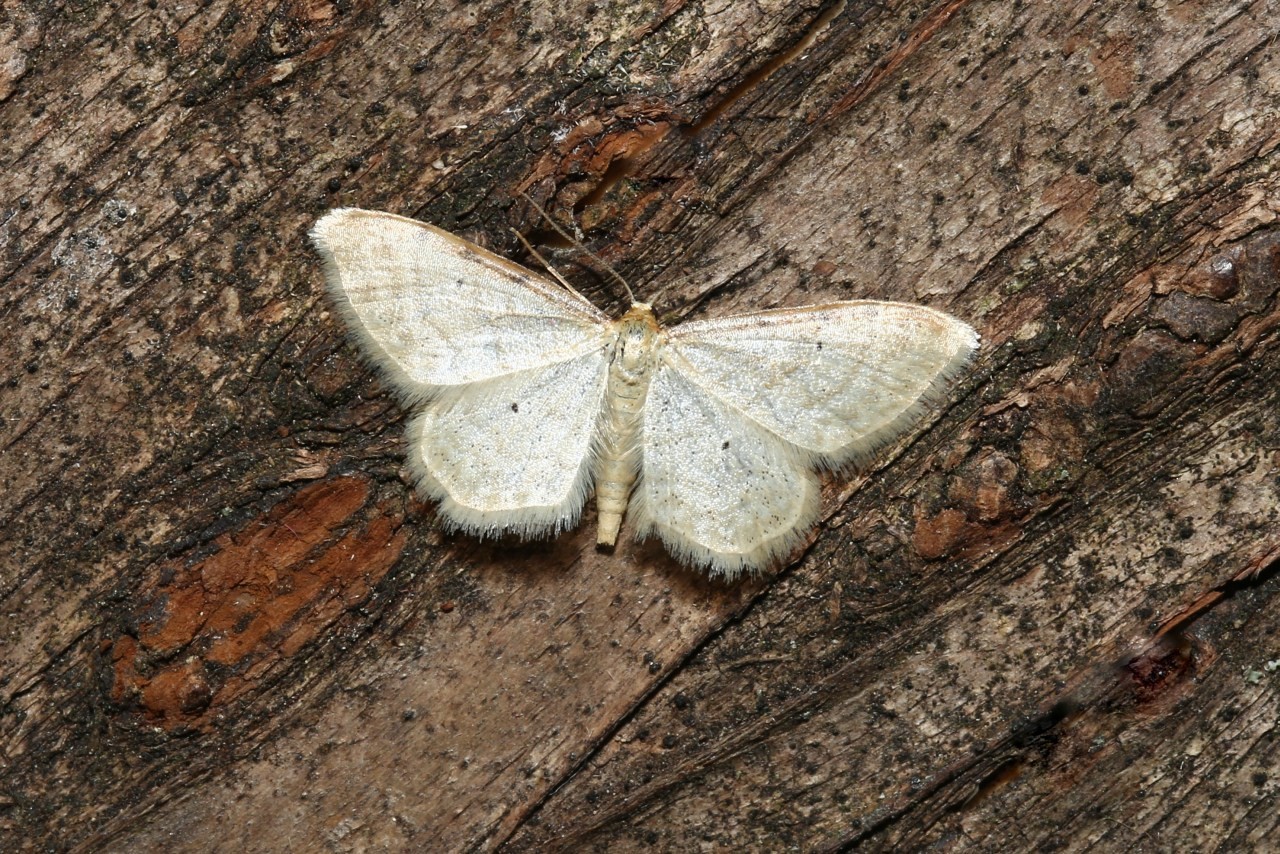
[{"x": 1046, "y": 622}]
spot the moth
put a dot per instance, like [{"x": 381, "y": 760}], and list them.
[{"x": 526, "y": 397}]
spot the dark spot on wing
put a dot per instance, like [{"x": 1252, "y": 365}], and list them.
[
  {"x": 725, "y": 446},
  {"x": 515, "y": 407},
  {"x": 819, "y": 345}
]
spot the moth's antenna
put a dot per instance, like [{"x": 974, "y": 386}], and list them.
[
  {"x": 578, "y": 243},
  {"x": 552, "y": 270}
]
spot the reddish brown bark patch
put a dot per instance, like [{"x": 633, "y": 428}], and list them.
[
  {"x": 939, "y": 535},
  {"x": 209, "y": 628},
  {"x": 1160, "y": 669}
]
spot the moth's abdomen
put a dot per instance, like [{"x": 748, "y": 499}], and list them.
[{"x": 630, "y": 372}]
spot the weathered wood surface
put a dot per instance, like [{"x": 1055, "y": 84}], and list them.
[{"x": 1047, "y": 621}]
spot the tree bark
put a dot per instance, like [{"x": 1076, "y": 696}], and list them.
[{"x": 1046, "y": 619}]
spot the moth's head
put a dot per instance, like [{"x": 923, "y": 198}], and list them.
[{"x": 640, "y": 312}]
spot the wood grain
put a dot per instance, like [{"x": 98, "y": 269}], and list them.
[{"x": 1044, "y": 620}]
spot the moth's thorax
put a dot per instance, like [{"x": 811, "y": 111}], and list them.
[{"x": 636, "y": 344}]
